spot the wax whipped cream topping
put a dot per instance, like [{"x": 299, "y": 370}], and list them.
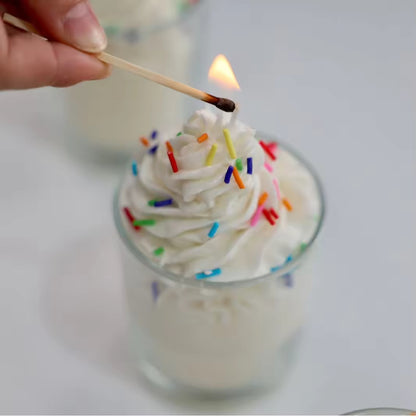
[{"x": 217, "y": 203}]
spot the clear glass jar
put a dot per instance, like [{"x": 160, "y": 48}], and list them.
[
  {"x": 215, "y": 338},
  {"x": 109, "y": 116}
]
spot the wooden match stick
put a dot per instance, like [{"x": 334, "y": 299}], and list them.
[{"x": 223, "y": 104}]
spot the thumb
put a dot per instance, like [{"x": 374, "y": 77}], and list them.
[{"x": 69, "y": 21}]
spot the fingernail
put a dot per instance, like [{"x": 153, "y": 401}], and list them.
[{"x": 83, "y": 29}]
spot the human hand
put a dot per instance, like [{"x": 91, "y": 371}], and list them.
[{"x": 27, "y": 61}]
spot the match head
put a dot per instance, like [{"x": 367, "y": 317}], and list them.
[{"x": 226, "y": 105}]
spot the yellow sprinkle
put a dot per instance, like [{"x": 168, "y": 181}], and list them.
[
  {"x": 211, "y": 155},
  {"x": 230, "y": 144}
]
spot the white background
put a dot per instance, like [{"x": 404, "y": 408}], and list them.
[{"x": 337, "y": 80}]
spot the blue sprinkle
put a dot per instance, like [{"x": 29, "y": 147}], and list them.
[
  {"x": 213, "y": 230},
  {"x": 154, "y": 134},
  {"x": 289, "y": 259},
  {"x": 134, "y": 168},
  {"x": 228, "y": 174},
  {"x": 152, "y": 150},
  {"x": 288, "y": 278},
  {"x": 275, "y": 269},
  {"x": 155, "y": 290},
  {"x": 163, "y": 203},
  {"x": 250, "y": 165},
  {"x": 205, "y": 275}
]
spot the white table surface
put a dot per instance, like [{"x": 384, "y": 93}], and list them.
[{"x": 337, "y": 78}]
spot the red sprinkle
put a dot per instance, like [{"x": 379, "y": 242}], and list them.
[
  {"x": 274, "y": 213},
  {"x": 173, "y": 162},
  {"x": 269, "y": 217},
  {"x": 267, "y": 150},
  {"x": 130, "y": 217}
]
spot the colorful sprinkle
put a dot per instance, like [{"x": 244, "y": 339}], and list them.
[
  {"x": 275, "y": 268},
  {"x": 159, "y": 251},
  {"x": 134, "y": 168},
  {"x": 154, "y": 134},
  {"x": 228, "y": 174},
  {"x": 276, "y": 186},
  {"x": 267, "y": 150},
  {"x": 155, "y": 290},
  {"x": 263, "y": 198},
  {"x": 144, "y": 141},
  {"x": 211, "y": 155},
  {"x": 213, "y": 230},
  {"x": 289, "y": 259},
  {"x": 130, "y": 217},
  {"x": 163, "y": 203},
  {"x": 143, "y": 223},
  {"x": 239, "y": 164},
  {"x": 268, "y": 167},
  {"x": 230, "y": 144},
  {"x": 211, "y": 273},
  {"x": 269, "y": 217},
  {"x": 202, "y": 138},
  {"x": 179, "y": 134},
  {"x": 152, "y": 203},
  {"x": 250, "y": 165},
  {"x": 303, "y": 247},
  {"x": 288, "y": 278},
  {"x": 287, "y": 204},
  {"x": 153, "y": 149},
  {"x": 255, "y": 218},
  {"x": 238, "y": 179},
  {"x": 172, "y": 161},
  {"x": 169, "y": 146},
  {"x": 273, "y": 146},
  {"x": 274, "y": 213}
]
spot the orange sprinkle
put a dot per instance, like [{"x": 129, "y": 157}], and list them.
[
  {"x": 169, "y": 147},
  {"x": 237, "y": 178},
  {"x": 263, "y": 198},
  {"x": 202, "y": 138},
  {"x": 144, "y": 141},
  {"x": 287, "y": 204}
]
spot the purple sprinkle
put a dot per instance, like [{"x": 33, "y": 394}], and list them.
[
  {"x": 154, "y": 134},
  {"x": 228, "y": 174},
  {"x": 163, "y": 203},
  {"x": 152, "y": 150},
  {"x": 250, "y": 165},
  {"x": 155, "y": 290},
  {"x": 288, "y": 278}
]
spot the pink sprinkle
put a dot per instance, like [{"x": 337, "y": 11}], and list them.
[
  {"x": 268, "y": 167},
  {"x": 273, "y": 146},
  {"x": 255, "y": 219},
  {"x": 276, "y": 186}
]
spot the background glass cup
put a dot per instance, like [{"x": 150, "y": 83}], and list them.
[
  {"x": 215, "y": 338},
  {"x": 164, "y": 36}
]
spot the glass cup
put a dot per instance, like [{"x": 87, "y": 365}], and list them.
[
  {"x": 215, "y": 338},
  {"x": 107, "y": 117}
]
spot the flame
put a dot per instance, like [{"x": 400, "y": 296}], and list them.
[{"x": 222, "y": 73}]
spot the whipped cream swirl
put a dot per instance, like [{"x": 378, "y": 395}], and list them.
[{"x": 201, "y": 198}]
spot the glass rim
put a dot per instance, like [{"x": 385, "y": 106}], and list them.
[
  {"x": 382, "y": 410},
  {"x": 182, "y": 16},
  {"x": 206, "y": 283}
]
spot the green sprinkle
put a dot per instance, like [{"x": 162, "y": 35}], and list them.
[
  {"x": 159, "y": 251},
  {"x": 111, "y": 30},
  {"x": 303, "y": 247},
  {"x": 152, "y": 203},
  {"x": 239, "y": 164},
  {"x": 143, "y": 223},
  {"x": 179, "y": 134}
]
